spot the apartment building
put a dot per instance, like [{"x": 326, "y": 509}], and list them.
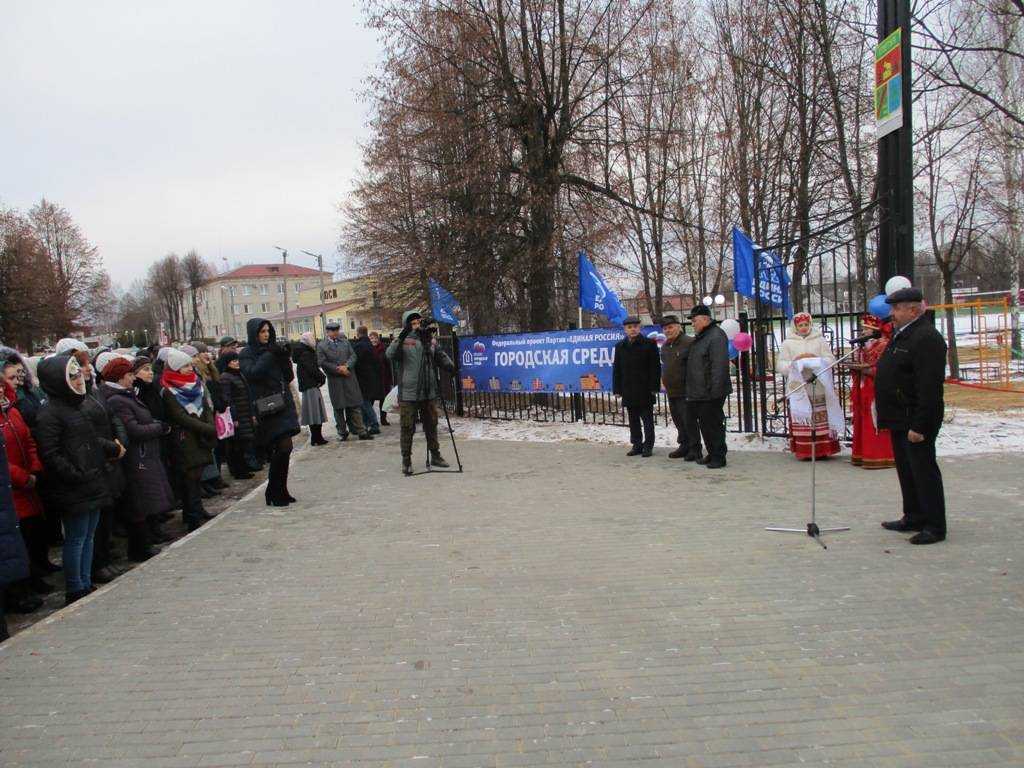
[
  {"x": 351, "y": 303},
  {"x": 228, "y": 300}
]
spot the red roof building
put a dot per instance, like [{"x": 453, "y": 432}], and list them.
[{"x": 268, "y": 271}]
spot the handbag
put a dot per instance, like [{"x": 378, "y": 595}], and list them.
[
  {"x": 225, "y": 424},
  {"x": 269, "y": 405}
]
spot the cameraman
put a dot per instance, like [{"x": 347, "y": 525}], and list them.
[{"x": 417, "y": 356}]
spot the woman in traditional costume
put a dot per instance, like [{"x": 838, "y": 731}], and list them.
[
  {"x": 872, "y": 447},
  {"x": 811, "y": 402}
]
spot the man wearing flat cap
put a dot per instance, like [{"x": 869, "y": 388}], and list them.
[
  {"x": 636, "y": 378},
  {"x": 673, "y": 365},
  {"x": 227, "y": 344},
  {"x": 337, "y": 360},
  {"x": 707, "y": 384},
  {"x": 909, "y": 402}
]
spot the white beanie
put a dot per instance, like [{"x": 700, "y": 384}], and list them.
[
  {"x": 176, "y": 359},
  {"x": 67, "y": 344},
  {"x": 162, "y": 354},
  {"x": 102, "y": 359}
]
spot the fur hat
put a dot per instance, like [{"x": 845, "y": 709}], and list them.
[
  {"x": 116, "y": 368},
  {"x": 140, "y": 362},
  {"x": 177, "y": 359}
]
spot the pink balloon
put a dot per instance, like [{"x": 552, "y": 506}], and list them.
[{"x": 742, "y": 341}]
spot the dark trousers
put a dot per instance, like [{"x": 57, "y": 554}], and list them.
[
  {"x": 103, "y": 540},
  {"x": 707, "y": 419},
  {"x": 236, "y": 449},
  {"x": 426, "y": 411},
  {"x": 687, "y": 434},
  {"x": 924, "y": 501},
  {"x": 641, "y": 417},
  {"x": 191, "y": 496},
  {"x": 35, "y": 532},
  {"x": 349, "y": 420}
]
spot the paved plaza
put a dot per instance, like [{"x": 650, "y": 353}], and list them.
[{"x": 558, "y": 604}]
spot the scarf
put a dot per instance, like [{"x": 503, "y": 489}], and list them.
[
  {"x": 186, "y": 388},
  {"x": 800, "y": 404}
]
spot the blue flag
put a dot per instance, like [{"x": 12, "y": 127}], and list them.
[
  {"x": 596, "y": 296},
  {"x": 773, "y": 279},
  {"x": 443, "y": 305}
]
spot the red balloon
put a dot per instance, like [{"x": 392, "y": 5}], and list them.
[{"x": 743, "y": 341}]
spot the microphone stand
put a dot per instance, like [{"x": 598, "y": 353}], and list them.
[{"x": 812, "y": 528}]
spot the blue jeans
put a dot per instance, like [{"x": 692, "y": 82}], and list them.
[
  {"x": 370, "y": 416},
  {"x": 79, "y": 531}
]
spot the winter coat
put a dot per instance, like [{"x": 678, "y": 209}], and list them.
[
  {"x": 143, "y": 463},
  {"x": 344, "y": 390},
  {"x": 13, "y": 557},
  {"x": 236, "y": 393},
  {"x": 29, "y": 401},
  {"x": 109, "y": 427},
  {"x": 22, "y": 459},
  {"x": 306, "y": 366},
  {"x": 415, "y": 367},
  {"x": 193, "y": 438},
  {"x": 636, "y": 372},
  {"x": 380, "y": 351},
  {"x": 813, "y": 344},
  {"x": 909, "y": 380},
  {"x": 74, "y": 455},
  {"x": 707, "y": 366},
  {"x": 673, "y": 364},
  {"x": 267, "y": 369},
  {"x": 368, "y": 370}
]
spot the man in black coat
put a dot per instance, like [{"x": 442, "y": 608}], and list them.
[
  {"x": 707, "y": 384},
  {"x": 673, "y": 375},
  {"x": 636, "y": 378},
  {"x": 909, "y": 401},
  {"x": 368, "y": 375}
]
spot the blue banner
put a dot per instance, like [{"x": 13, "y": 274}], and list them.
[
  {"x": 443, "y": 305},
  {"x": 595, "y": 295},
  {"x": 773, "y": 279},
  {"x": 550, "y": 361}
]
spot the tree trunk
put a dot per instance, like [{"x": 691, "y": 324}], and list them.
[{"x": 947, "y": 297}]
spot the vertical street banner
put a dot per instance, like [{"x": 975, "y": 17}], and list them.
[
  {"x": 888, "y": 85},
  {"x": 549, "y": 361}
]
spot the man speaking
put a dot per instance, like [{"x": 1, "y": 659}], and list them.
[{"x": 909, "y": 401}]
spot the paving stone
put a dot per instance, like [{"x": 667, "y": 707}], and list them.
[{"x": 557, "y": 604}]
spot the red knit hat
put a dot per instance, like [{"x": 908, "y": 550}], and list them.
[{"x": 116, "y": 369}]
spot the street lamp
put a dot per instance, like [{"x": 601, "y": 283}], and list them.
[
  {"x": 284, "y": 261},
  {"x": 320, "y": 269}
]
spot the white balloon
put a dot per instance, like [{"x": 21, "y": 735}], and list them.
[
  {"x": 719, "y": 300},
  {"x": 896, "y": 283},
  {"x": 707, "y": 301},
  {"x": 731, "y": 327}
]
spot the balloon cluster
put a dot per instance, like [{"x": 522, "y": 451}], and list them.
[
  {"x": 878, "y": 306},
  {"x": 739, "y": 341}
]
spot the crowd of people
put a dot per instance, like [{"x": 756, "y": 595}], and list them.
[{"x": 100, "y": 445}]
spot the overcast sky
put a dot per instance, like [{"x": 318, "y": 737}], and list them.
[{"x": 225, "y": 126}]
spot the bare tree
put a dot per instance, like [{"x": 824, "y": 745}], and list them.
[{"x": 196, "y": 273}]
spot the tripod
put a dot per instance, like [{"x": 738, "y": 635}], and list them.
[
  {"x": 451, "y": 432},
  {"x": 812, "y": 528}
]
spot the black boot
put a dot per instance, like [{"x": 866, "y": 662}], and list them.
[
  {"x": 157, "y": 534},
  {"x": 384, "y": 420},
  {"x": 316, "y": 434},
  {"x": 437, "y": 460},
  {"x": 407, "y": 465},
  {"x": 139, "y": 548}
]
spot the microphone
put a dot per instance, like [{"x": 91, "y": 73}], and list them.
[{"x": 875, "y": 334}]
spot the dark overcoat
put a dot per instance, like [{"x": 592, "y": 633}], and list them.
[
  {"x": 13, "y": 557},
  {"x": 707, "y": 366},
  {"x": 193, "y": 438},
  {"x": 236, "y": 392},
  {"x": 368, "y": 370},
  {"x": 636, "y": 372},
  {"x": 267, "y": 369}
]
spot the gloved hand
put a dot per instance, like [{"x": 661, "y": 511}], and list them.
[
  {"x": 281, "y": 349},
  {"x": 406, "y": 330}
]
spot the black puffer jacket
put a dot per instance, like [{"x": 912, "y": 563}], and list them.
[
  {"x": 109, "y": 427},
  {"x": 75, "y": 457},
  {"x": 267, "y": 369},
  {"x": 236, "y": 392},
  {"x": 143, "y": 465},
  {"x": 707, "y": 366},
  {"x": 310, "y": 375},
  {"x": 193, "y": 438}
]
